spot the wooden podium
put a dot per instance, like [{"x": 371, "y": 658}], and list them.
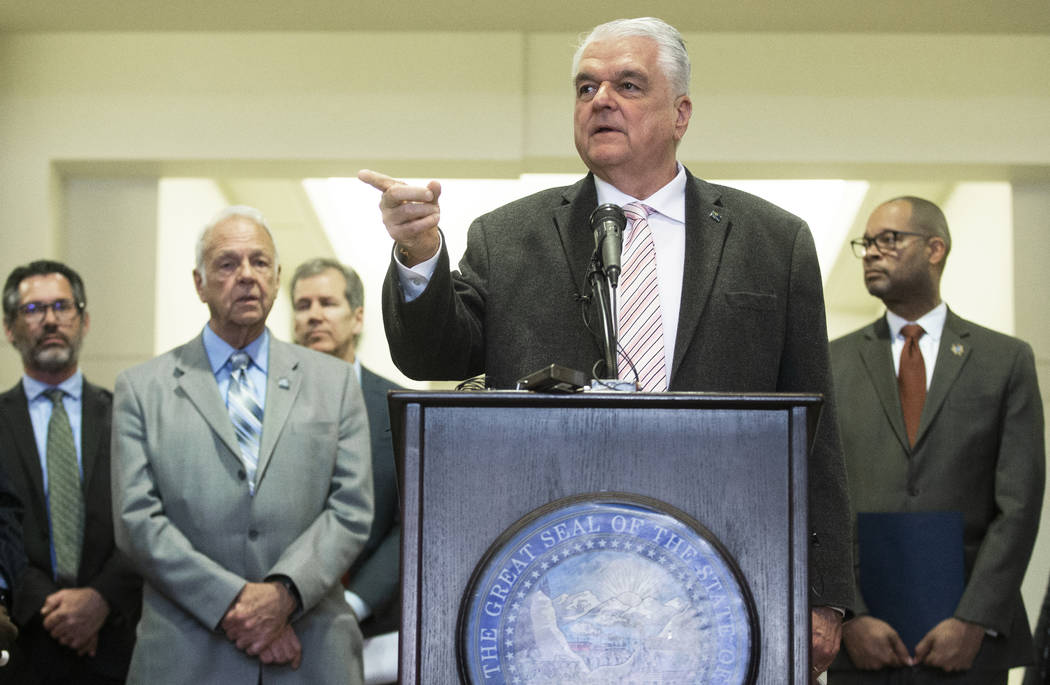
[{"x": 472, "y": 464}]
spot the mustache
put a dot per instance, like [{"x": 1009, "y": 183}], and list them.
[{"x": 51, "y": 336}]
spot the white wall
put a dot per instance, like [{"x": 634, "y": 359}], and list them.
[
  {"x": 978, "y": 276},
  {"x": 184, "y": 207}
]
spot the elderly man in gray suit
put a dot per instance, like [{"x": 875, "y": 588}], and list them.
[
  {"x": 938, "y": 414},
  {"x": 242, "y": 487},
  {"x": 729, "y": 283}
]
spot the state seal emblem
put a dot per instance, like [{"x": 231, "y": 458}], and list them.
[{"x": 607, "y": 588}]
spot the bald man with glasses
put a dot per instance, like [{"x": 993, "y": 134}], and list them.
[{"x": 937, "y": 414}]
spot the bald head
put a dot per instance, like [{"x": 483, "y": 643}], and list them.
[{"x": 926, "y": 219}]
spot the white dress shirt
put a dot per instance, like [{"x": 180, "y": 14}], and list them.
[{"x": 932, "y": 323}]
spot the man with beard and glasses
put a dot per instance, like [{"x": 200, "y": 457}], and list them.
[{"x": 77, "y": 602}]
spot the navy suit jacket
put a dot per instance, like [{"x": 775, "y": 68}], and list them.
[
  {"x": 12, "y": 553},
  {"x": 374, "y": 575}
]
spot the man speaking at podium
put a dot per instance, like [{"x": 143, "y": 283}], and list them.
[{"x": 726, "y": 293}]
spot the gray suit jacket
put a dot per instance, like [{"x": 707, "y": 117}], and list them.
[
  {"x": 184, "y": 515},
  {"x": 979, "y": 451},
  {"x": 751, "y": 320}
]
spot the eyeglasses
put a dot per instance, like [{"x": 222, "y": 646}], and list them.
[
  {"x": 887, "y": 241},
  {"x": 64, "y": 310}
]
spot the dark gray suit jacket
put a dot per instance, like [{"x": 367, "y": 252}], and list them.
[
  {"x": 751, "y": 320},
  {"x": 102, "y": 565},
  {"x": 374, "y": 575},
  {"x": 979, "y": 451}
]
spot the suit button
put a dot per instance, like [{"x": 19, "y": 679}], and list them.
[
  {"x": 253, "y": 534},
  {"x": 913, "y": 491},
  {"x": 241, "y": 474}
]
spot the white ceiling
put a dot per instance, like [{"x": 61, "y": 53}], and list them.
[{"x": 891, "y": 16}]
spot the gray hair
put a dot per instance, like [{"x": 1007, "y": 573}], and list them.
[
  {"x": 354, "y": 291},
  {"x": 243, "y": 211},
  {"x": 671, "y": 53}
]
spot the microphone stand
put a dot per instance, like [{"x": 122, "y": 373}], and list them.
[
  {"x": 607, "y": 222},
  {"x": 605, "y": 296}
]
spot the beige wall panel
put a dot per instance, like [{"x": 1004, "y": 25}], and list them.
[{"x": 815, "y": 98}]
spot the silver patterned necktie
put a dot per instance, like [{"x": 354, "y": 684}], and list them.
[
  {"x": 641, "y": 330},
  {"x": 65, "y": 499},
  {"x": 246, "y": 414}
]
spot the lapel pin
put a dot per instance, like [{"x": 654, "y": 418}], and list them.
[
  {"x": 283, "y": 383},
  {"x": 716, "y": 216},
  {"x": 957, "y": 350}
]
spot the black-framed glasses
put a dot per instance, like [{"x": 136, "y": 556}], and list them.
[
  {"x": 887, "y": 241},
  {"x": 64, "y": 310}
]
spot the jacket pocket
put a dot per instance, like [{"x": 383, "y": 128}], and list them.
[{"x": 765, "y": 302}]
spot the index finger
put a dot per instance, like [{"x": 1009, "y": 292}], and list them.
[
  {"x": 899, "y": 650},
  {"x": 380, "y": 182}
]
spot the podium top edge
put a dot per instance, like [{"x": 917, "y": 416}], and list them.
[{"x": 507, "y": 398}]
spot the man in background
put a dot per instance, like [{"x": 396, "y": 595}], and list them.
[
  {"x": 720, "y": 290},
  {"x": 939, "y": 415},
  {"x": 243, "y": 487},
  {"x": 328, "y": 299},
  {"x": 78, "y": 600}
]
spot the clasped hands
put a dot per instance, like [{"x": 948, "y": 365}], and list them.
[
  {"x": 873, "y": 644},
  {"x": 73, "y": 617},
  {"x": 257, "y": 622}
]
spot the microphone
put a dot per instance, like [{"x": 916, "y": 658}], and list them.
[{"x": 608, "y": 222}]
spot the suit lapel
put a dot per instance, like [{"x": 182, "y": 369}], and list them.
[
  {"x": 571, "y": 221},
  {"x": 707, "y": 223},
  {"x": 283, "y": 382},
  {"x": 90, "y": 423},
  {"x": 877, "y": 355},
  {"x": 194, "y": 376},
  {"x": 952, "y": 354}
]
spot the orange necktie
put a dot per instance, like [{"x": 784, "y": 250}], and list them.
[{"x": 911, "y": 380}]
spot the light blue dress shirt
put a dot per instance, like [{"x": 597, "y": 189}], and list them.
[{"x": 219, "y": 351}]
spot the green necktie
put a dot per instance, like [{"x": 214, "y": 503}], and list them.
[{"x": 64, "y": 498}]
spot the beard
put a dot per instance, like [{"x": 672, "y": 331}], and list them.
[{"x": 50, "y": 358}]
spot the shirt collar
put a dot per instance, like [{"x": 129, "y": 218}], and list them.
[
  {"x": 72, "y": 386},
  {"x": 932, "y": 322},
  {"x": 219, "y": 351},
  {"x": 668, "y": 201}
]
